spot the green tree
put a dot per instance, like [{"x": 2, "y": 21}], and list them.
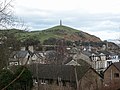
[
  {"x": 69, "y": 43},
  {"x": 8, "y": 43},
  {"x": 50, "y": 41},
  {"x": 6, "y": 19},
  {"x": 31, "y": 41},
  {"x": 25, "y": 81},
  {"x": 6, "y": 76}
]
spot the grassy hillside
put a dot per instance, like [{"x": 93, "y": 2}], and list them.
[{"x": 55, "y": 32}]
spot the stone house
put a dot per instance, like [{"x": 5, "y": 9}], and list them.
[
  {"x": 112, "y": 77},
  {"x": 84, "y": 56},
  {"x": 96, "y": 60},
  {"x": 20, "y": 58},
  {"x": 65, "y": 77},
  {"x": 99, "y": 60},
  {"x": 112, "y": 58},
  {"x": 38, "y": 57}
]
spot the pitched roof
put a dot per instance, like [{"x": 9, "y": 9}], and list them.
[
  {"x": 65, "y": 72},
  {"x": 20, "y": 54},
  {"x": 73, "y": 62},
  {"x": 39, "y": 54},
  {"x": 87, "y": 53},
  {"x": 117, "y": 65}
]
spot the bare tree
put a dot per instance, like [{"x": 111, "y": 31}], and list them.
[
  {"x": 6, "y": 14},
  {"x": 7, "y": 20}
]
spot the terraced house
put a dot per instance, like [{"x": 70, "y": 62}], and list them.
[{"x": 65, "y": 77}]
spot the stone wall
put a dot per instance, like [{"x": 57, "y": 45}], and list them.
[
  {"x": 90, "y": 81},
  {"x": 110, "y": 79}
]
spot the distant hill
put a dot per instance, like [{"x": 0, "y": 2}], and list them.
[
  {"x": 60, "y": 32},
  {"x": 116, "y": 41},
  {"x": 68, "y": 33}
]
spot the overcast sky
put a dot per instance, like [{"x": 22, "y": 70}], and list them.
[{"x": 97, "y": 17}]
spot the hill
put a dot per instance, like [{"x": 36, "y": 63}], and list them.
[
  {"x": 60, "y": 32},
  {"x": 67, "y": 33}
]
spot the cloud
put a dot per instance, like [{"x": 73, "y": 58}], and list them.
[
  {"x": 95, "y": 24},
  {"x": 97, "y": 17},
  {"x": 106, "y": 35}
]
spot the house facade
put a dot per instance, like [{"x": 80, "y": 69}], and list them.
[
  {"x": 38, "y": 57},
  {"x": 112, "y": 77},
  {"x": 96, "y": 60},
  {"x": 100, "y": 60},
  {"x": 29, "y": 56},
  {"x": 112, "y": 58},
  {"x": 65, "y": 77},
  {"x": 91, "y": 81}
]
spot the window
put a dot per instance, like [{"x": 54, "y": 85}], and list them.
[
  {"x": 109, "y": 63},
  {"x": 16, "y": 63},
  {"x": 116, "y": 75},
  {"x": 43, "y": 81},
  {"x": 64, "y": 83},
  {"x": 50, "y": 81}
]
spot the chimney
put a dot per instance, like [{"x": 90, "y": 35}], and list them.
[{"x": 31, "y": 48}]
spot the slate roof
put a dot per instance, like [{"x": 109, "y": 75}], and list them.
[
  {"x": 104, "y": 52},
  {"x": 89, "y": 53},
  {"x": 65, "y": 72},
  {"x": 39, "y": 54},
  {"x": 117, "y": 65},
  {"x": 20, "y": 54},
  {"x": 68, "y": 60}
]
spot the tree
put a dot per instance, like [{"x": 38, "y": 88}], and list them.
[
  {"x": 25, "y": 81},
  {"x": 50, "y": 41},
  {"x": 8, "y": 44},
  {"x": 6, "y": 17},
  {"x": 31, "y": 41},
  {"x": 6, "y": 76},
  {"x": 69, "y": 43},
  {"x": 7, "y": 39},
  {"x": 61, "y": 51}
]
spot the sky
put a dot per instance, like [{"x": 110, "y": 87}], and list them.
[{"x": 97, "y": 17}]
